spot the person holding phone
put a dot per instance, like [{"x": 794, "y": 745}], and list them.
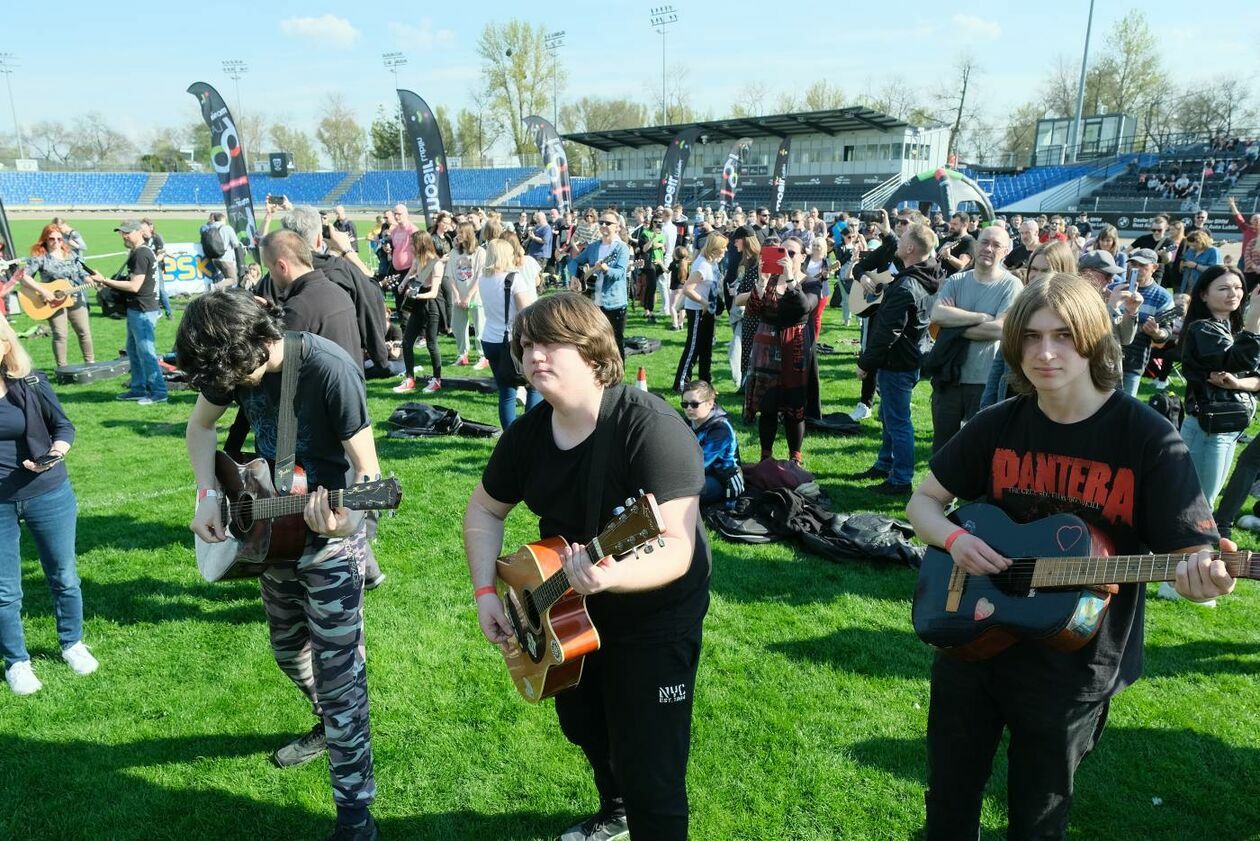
[
  {"x": 775, "y": 384},
  {"x": 35, "y": 436}
]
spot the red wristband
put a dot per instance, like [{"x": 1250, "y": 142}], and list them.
[
  {"x": 957, "y": 533},
  {"x": 483, "y": 591}
]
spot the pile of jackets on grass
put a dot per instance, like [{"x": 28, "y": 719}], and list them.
[{"x": 783, "y": 502}]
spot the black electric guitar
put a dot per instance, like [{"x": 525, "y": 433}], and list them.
[{"x": 1056, "y": 591}]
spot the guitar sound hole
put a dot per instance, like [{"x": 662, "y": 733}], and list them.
[
  {"x": 1015, "y": 580},
  {"x": 526, "y": 640},
  {"x": 243, "y": 522},
  {"x": 531, "y": 610}
]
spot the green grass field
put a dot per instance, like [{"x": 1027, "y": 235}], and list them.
[{"x": 811, "y": 703}]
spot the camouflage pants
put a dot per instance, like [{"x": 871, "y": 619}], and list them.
[{"x": 315, "y": 614}]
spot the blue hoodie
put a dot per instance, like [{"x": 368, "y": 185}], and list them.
[{"x": 717, "y": 441}]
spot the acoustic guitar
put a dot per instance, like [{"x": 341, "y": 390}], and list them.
[
  {"x": 265, "y": 528},
  {"x": 1056, "y": 590},
  {"x": 62, "y": 293},
  {"x": 553, "y": 632},
  {"x": 863, "y": 303}
]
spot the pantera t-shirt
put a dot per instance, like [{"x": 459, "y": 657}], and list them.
[
  {"x": 653, "y": 449},
  {"x": 1124, "y": 471}
]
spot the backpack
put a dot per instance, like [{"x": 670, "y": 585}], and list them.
[
  {"x": 212, "y": 243},
  {"x": 1169, "y": 405}
]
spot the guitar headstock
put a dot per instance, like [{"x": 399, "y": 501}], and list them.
[
  {"x": 636, "y": 524},
  {"x": 381, "y": 495}
]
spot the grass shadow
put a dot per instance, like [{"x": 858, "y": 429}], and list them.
[
  {"x": 1206, "y": 657},
  {"x": 150, "y": 601},
  {"x": 875, "y": 652},
  {"x": 121, "y": 532}
]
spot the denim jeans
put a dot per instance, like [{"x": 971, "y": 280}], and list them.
[
  {"x": 146, "y": 376},
  {"x": 995, "y": 388},
  {"x": 1212, "y": 454},
  {"x": 1131, "y": 383},
  {"x": 1238, "y": 488},
  {"x": 896, "y": 452},
  {"x": 50, "y": 517},
  {"x": 500, "y": 356}
]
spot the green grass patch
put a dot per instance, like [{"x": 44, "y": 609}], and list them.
[{"x": 811, "y": 703}]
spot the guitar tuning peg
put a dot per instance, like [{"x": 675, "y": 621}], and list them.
[
  {"x": 660, "y": 541},
  {"x": 629, "y": 501},
  {"x": 618, "y": 511}
]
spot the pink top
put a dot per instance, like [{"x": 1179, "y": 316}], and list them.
[
  {"x": 1250, "y": 245},
  {"x": 403, "y": 254}
]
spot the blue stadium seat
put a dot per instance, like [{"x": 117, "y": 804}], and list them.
[{"x": 71, "y": 188}]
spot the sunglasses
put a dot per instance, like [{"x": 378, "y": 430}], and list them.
[
  {"x": 690, "y": 404},
  {"x": 608, "y": 221},
  {"x": 792, "y": 253}
]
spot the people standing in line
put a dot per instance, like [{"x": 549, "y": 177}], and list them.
[
  {"x": 419, "y": 299},
  {"x": 501, "y": 277},
  {"x": 35, "y": 489},
  {"x": 463, "y": 268},
  {"x": 139, "y": 293},
  {"x": 1218, "y": 338},
  {"x": 699, "y": 302},
  {"x": 53, "y": 259},
  {"x": 776, "y": 381},
  {"x": 610, "y": 259}
]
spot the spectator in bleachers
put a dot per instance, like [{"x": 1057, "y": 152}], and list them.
[
  {"x": 53, "y": 259},
  {"x": 1250, "y": 259},
  {"x": 1199, "y": 254}
]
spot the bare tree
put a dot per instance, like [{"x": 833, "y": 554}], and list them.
[
  {"x": 518, "y": 75},
  {"x": 823, "y": 96},
  {"x": 95, "y": 142},
  {"x": 50, "y": 140},
  {"x": 298, "y": 144},
  {"x": 598, "y": 114},
  {"x": 955, "y": 100},
  {"x": 340, "y": 133},
  {"x": 752, "y": 100}
]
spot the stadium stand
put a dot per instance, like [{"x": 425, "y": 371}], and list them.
[
  {"x": 540, "y": 196},
  {"x": 468, "y": 186},
  {"x": 1172, "y": 184},
  {"x": 72, "y": 188},
  {"x": 203, "y": 188},
  {"x": 1011, "y": 187}
]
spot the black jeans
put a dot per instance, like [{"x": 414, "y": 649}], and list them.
[
  {"x": 697, "y": 348},
  {"x": 1238, "y": 488},
  {"x": 631, "y": 716},
  {"x": 952, "y": 406},
  {"x": 423, "y": 319},
  {"x": 649, "y": 287},
  {"x": 971, "y": 705},
  {"x": 617, "y": 318}
]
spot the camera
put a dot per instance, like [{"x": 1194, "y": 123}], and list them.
[{"x": 870, "y": 216}]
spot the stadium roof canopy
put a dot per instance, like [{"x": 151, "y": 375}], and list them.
[{"x": 832, "y": 122}]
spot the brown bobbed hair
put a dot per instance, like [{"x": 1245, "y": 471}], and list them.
[
  {"x": 567, "y": 318},
  {"x": 1077, "y": 302}
]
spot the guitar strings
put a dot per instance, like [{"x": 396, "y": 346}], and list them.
[{"x": 1023, "y": 570}]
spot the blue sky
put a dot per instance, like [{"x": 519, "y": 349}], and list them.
[{"x": 135, "y": 62}]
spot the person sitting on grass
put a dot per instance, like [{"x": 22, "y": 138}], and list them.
[{"x": 723, "y": 477}]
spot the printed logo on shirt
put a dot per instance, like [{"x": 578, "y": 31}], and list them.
[
  {"x": 673, "y": 694},
  {"x": 463, "y": 269},
  {"x": 1077, "y": 480}
]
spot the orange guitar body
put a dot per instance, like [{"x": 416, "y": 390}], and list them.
[
  {"x": 546, "y": 656},
  {"x": 61, "y": 292}
]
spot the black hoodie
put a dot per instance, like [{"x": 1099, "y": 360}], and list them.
[{"x": 898, "y": 325}]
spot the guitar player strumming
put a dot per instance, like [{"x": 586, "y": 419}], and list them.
[
  {"x": 233, "y": 350},
  {"x": 631, "y": 712},
  {"x": 1070, "y": 443}
]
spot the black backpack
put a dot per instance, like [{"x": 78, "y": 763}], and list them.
[
  {"x": 1169, "y": 405},
  {"x": 211, "y": 243}
]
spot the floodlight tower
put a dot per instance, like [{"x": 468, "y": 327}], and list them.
[
  {"x": 7, "y": 65},
  {"x": 661, "y": 17},
  {"x": 553, "y": 42},
  {"x": 1075, "y": 142},
  {"x": 234, "y": 69},
  {"x": 392, "y": 62}
]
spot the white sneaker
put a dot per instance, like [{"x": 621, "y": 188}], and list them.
[
  {"x": 1168, "y": 591},
  {"x": 21, "y": 678},
  {"x": 80, "y": 659},
  {"x": 860, "y": 412},
  {"x": 520, "y": 394}
]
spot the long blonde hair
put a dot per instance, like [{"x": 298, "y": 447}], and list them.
[{"x": 17, "y": 362}]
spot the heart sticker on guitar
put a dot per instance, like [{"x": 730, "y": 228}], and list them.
[
  {"x": 984, "y": 609},
  {"x": 1068, "y": 536}
]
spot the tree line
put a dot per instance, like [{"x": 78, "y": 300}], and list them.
[{"x": 1128, "y": 74}]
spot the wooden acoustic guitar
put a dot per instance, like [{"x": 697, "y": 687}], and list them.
[
  {"x": 1056, "y": 591},
  {"x": 553, "y": 631},
  {"x": 863, "y": 303},
  {"x": 62, "y": 295},
  {"x": 266, "y": 528}
]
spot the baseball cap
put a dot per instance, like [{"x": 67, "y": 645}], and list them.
[
  {"x": 128, "y": 226},
  {"x": 1099, "y": 261},
  {"x": 1144, "y": 256}
]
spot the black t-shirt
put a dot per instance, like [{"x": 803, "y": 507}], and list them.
[
  {"x": 961, "y": 244},
  {"x": 142, "y": 261},
  {"x": 331, "y": 406},
  {"x": 1125, "y": 471},
  {"x": 1149, "y": 241},
  {"x": 1018, "y": 258},
  {"x": 653, "y": 449}
]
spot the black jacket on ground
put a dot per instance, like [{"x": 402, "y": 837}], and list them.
[
  {"x": 898, "y": 325},
  {"x": 369, "y": 305},
  {"x": 317, "y": 305}
]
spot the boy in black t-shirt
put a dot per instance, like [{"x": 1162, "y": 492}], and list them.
[
  {"x": 139, "y": 293},
  {"x": 631, "y": 713},
  {"x": 233, "y": 349},
  {"x": 1071, "y": 444}
]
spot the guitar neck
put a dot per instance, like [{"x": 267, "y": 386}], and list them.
[
  {"x": 1127, "y": 569},
  {"x": 551, "y": 590},
  {"x": 269, "y": 508}
]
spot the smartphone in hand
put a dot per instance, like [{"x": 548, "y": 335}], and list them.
[
  {"x": 770, "y": 257},
  {"x": 48, "y": 459}
]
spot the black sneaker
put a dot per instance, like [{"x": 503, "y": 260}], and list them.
[
  {"x": 302, "y": 749},
  {"x": 366, "y": 832},
  {"x": 373, "y": 583},
  {"x": 887, "y": 488},
  {"x": 130, "y": 395},
  {"x": 870, "y": 473},
  {"x": 600, "y": 827}
]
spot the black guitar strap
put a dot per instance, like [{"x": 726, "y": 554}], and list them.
[
  {"x": 602, "y": 445},
  {"x": 286, "y": 433}
]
